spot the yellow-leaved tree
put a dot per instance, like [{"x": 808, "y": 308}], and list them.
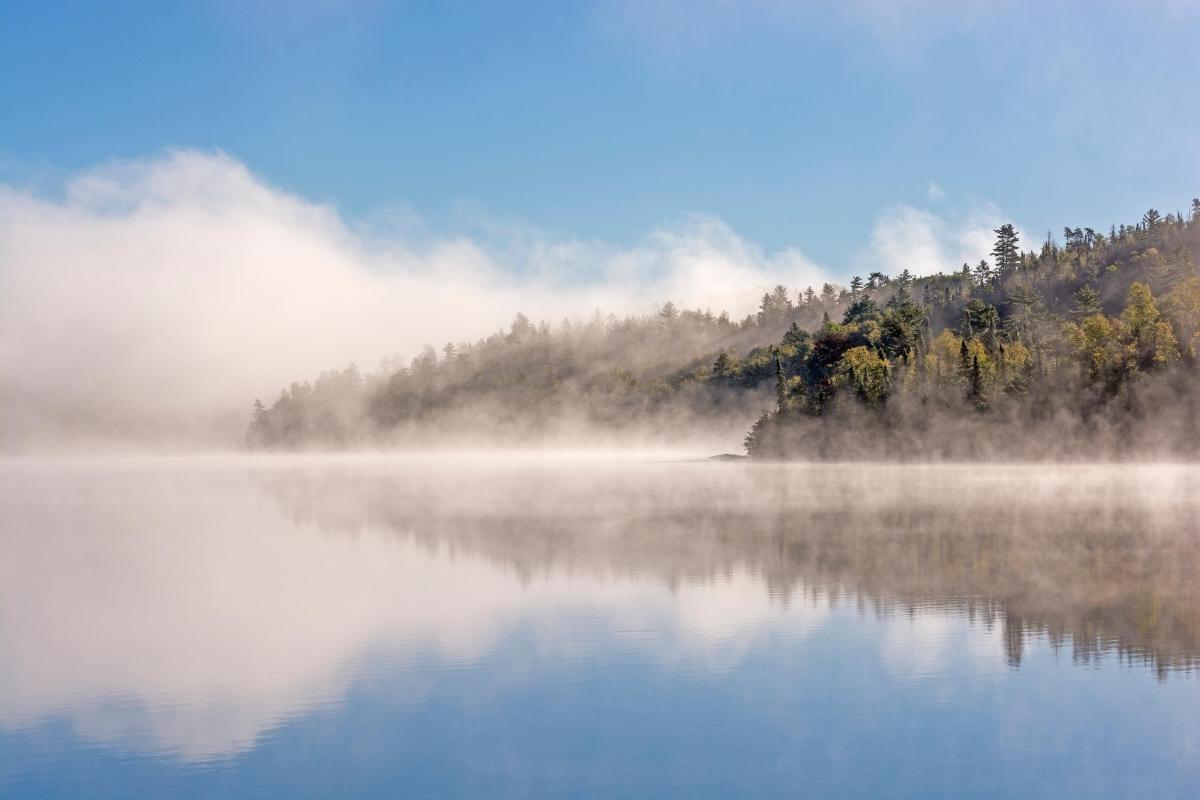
[
  {"x": 1148, "y": 336},
  {"x": 1097, "y": 341},
  {"x": 865, "y": 373},
  {"x": 1182, "y": 305}
]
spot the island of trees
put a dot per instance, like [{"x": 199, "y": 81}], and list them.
[{"x": 1081, "y": 347}]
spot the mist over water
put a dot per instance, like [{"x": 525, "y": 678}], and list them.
[
  {"x": 596, "y": 623},
  {"x": 144, "y": 304}
]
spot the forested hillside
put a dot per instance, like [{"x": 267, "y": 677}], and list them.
[{"x": 1085, "y": 346}]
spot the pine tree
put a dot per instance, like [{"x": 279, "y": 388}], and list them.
[
  {"x": 1087, "y": 302},
  {"x": 669, "y": 313},
  {"x": 828, "y": 295},
  {"x": 1005, "y": 253},
  {"x": 983, "y": 273},
  {"x": 796, "y": 336},
  {"x": 722, "y": 367}
]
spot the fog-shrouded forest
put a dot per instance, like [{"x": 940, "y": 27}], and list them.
[{"x": 1082, "y": 345}]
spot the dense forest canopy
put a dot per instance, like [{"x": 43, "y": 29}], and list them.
[{"x": 1086, "y": 346}]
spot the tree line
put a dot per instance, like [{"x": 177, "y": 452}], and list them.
[{"x": 1087, "y": 344}]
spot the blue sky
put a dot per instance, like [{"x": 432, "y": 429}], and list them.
[{"x": 796, "y": 124}]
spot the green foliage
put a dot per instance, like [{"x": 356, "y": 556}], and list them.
[
  {"x": 861, "y": 310},
  {"x": 1005, "y": 254},
  {"x": 900, "y": 326},
  {"x": 866, "y": 373},
  {"x": 1075, "y": 328}
]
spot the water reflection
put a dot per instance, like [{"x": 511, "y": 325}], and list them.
[
  {"x": 189, "y": 609},
  {"x": 1095, "y": 558}
]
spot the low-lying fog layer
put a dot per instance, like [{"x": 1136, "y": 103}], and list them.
[
  {"x": 188, "y": 606},
  {"x": 152, "y": 300}
]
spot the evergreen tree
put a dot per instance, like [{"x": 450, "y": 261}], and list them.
[
  {"x": 1087, "y": 302},
  {"x": 722, "y": 367},
  {"x": 780, "y": 300},
  {"x": 977, "y": 396},
  {"x": 668, "y": 314},
  {"x": 520, "y": 329},
  {"x": 861, "y": 311},
  {"x": 828, "y": 295},
  {"x": 983, "y": 273},
  {"x": 796, "y": 336},
  {"x": 1005, "y": 254}
]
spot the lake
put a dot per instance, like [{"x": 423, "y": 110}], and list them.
[{"x": 596, "y": 625}]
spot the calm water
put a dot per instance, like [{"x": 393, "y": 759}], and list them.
[{"x": 583, "y": 627}]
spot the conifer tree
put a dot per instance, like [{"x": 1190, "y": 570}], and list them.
[
  {"x": 978, "y": 398},
  {"x": 669, "y": 313},
  {"x": 1087, "y": 302},
  {"x": 722, "y": 367},
  {"x": 983, "y": 273},
  {"x": 1005, "y": 254}
]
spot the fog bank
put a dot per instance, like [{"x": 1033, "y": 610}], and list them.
[{"x": 152, "y": 300}]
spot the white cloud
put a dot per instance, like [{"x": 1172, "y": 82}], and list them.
[
  {"x": 905, "y": 237},
  {"x": 166, "y": 288}
]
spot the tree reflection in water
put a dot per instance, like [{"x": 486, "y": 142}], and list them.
[{"x": 1100, "y": 559}]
